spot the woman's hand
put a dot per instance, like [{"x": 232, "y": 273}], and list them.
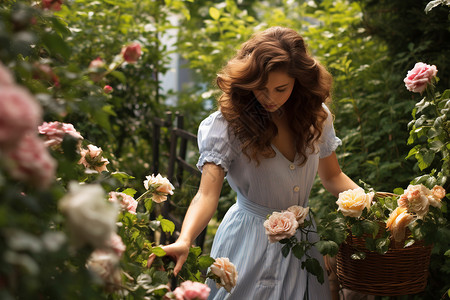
[{"x": 178, "y": 251}]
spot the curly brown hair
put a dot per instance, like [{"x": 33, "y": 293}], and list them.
[{"x": 274, "y": 49}]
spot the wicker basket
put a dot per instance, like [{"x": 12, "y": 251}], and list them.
[{"x": 400, "y": 271}]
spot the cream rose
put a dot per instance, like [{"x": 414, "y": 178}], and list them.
[
  {"x": 300, "y": 213},
  {"x": 90, "y": 217},
  {"x": 280, "y": 225},
  {"x": 161, "y": 185},
  {"x": 398, "y": 220},
  {"x": 415, "y": 199},
  {"x": 352, "y": 202},
  {"x": 226, "y": 272}
]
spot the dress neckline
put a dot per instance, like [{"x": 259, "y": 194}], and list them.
[{"x": 282, "y": 155}]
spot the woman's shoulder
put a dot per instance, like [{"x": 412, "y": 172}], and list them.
[{"x": 214, "y": 119}]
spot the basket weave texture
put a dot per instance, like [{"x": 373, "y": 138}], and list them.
[{"x": 400, "y": 271}]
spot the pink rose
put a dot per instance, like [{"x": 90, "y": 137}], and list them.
[
  {"x": 161, "y": 185},
  {"x": 126, "y": 201},
  {"x": 116, "y": 244},
  {"x": 131, "y": 52},
  {"x": 420, "y": 77},
  {"x": 97, "y": 63},
  {"x": 192, "y": 290},
  {"x": 31, "y": 162},
  {"x": 280, "y": 225},
  {"x": 6, "y": 78},
  {"x": 107, "y": 89},
  {"x": 55, "y": 131},
  {"x": 52, "y": 4},
  {"x": 226, "y": 272},
  {"x": 300, "y": 213},
  {"x": 398, "y": 220},
  {"x": 92, "y": 158},
  {"x": 20, "y": 113}
]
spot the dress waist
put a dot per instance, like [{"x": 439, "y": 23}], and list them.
[{"x": 253, "y": 208}]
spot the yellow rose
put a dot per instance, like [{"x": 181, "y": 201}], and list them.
[{"x": 352, "y": 202}]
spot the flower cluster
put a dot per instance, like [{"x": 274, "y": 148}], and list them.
[
  {"x": 413, "y": 204},
  {"x": 27, "y": 158},
  {"x": 283, "y": 225},
  {"x": 189, "y": 290}
]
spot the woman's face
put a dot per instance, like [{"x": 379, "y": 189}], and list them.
[{"x": 276, "y": 92}]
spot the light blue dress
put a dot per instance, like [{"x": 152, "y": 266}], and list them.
[{"x": 274, "y": 185}]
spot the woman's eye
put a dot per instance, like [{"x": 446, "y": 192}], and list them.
[{"x": 280, "y": 91}]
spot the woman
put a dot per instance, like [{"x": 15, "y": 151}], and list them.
[{"x": 271, "y": 135}]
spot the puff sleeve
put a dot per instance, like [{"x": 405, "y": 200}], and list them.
[
  {"x": 328, "y": 141},
  {"x": 215, "y": 143}
]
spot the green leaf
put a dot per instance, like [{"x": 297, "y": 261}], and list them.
[
  {"x": 313, "y": 266},
  {"x": 197, "y": 251},
  {"x": 123, "y": 177},
  {"x": 56, "y": 45},
  {"x": 357, "y": 229},
  {"x": 214, "y": 13},
  {"x": 327, "y": 247},
  {"x": 409, "y": 242},
  {"x": 447, "y": 253},
  {"x": 205, "y": 261},
  {"x": 285, "y": 250},
  {"x": 370, "y": 227},
  {"x": 158, "y": 251},
  {"x": 167, "y": 225},
  {"x": 119, "y": 75},
  {"x": 382, "y": 245},
  {"x": 298, "y": 251}
]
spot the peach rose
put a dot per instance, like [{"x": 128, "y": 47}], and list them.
[
  {"x": 92, "y": 158},
  {"x": 280, "y": 225},
  {"x": 226, "y": 272},
  {"x": 31, "y": 162},
  {"x": 131, "y": 52},
  {"x": 20, "y": 113},
  {"x": 420, "y": 77},
  {"x": 352, "y": 202},
  {"x": 192, "y": 290},
  {"x": 398, "y": 220},
  {"x": 126, "y": 201},
  {"x": 54, "y": 132},
  {"x": 300, "y": 213},
  {"x": 415, "y": 199},
  {"x": 436, "y": 194},
  {"x": 161, "y": 185}
]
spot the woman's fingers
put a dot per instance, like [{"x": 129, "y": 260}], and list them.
[{"x": 150, "y": 260}]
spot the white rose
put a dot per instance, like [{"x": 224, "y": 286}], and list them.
[
  {"x": 226, "y": 272},
  {"x": 300, "y": 213},
  {"x": 91, "y": 218},
  {"x": 352, "y": 202}
]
